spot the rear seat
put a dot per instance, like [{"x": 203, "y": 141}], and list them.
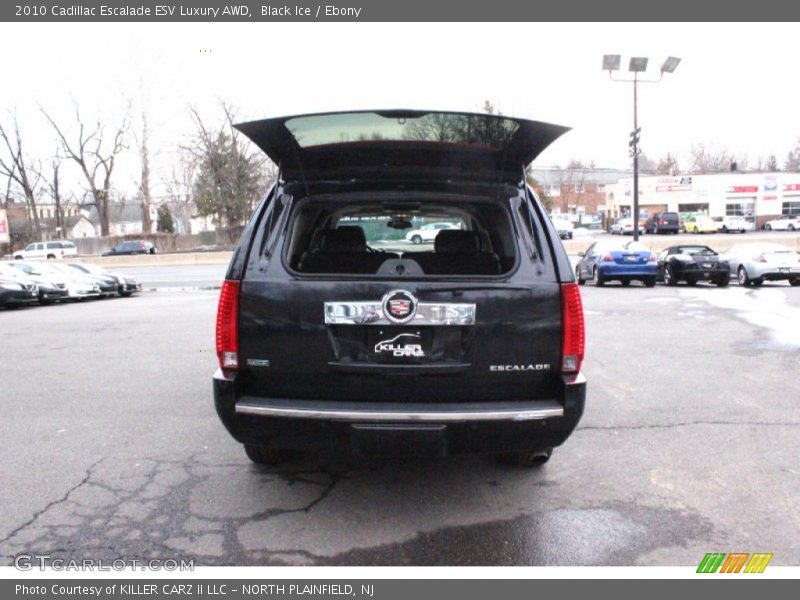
[
  {"x": 342, "y": 250},
  {"x": 457, "y": 252}
]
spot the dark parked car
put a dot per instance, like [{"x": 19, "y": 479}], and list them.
[
  {"x": 14, "y": 292},
  {"x": 692, "y": 263},
  {"x": 131, "y": 247},
  {"x": 332, "y": 332},
  {"x": 613, "y": 261},
  {"x": 51, "y": 289},
  {"x": 663, "y": 222}
]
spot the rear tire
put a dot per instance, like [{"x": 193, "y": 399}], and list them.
[
  {"x": 527, "y": 458},
  {"x": 723, "y": 282},
  {"x": 794, "y": 282},
  {"x": 768, "y": 227},
  {"x": 625, "y": 282},
  {"x": 691, "y": 282},
  {"x": 669, "y": 276},
  {"x": 650, "y": 282},
  {"x": 264, "y": 455},
  {"x": 791, "y": 227},
  {"x": 742, "y": 277},
  {"x": 416, "y": 240},
  {"x": 757, "y": 282},
  {"x": 51, "y": 257},
  {"x": 599, "y": 280},
  {"x": 581, "y": 280}
]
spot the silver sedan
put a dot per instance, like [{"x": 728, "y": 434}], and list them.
[{"x": 752, "y": 264}]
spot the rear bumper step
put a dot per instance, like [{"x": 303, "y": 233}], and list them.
[{"x": 383, "y": 412}]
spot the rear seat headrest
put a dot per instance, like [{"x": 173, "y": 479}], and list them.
[
  {"x": 345, "y": 239},
  {"x": 455, "y": 241}
]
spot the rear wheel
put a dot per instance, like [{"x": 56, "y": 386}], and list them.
[
  {"x": 597, "y": 277},
  {"x": 528, "y": 458},
  {"x": 724, "y": 281},
  {"x": 416, "y": 239},
  {"x": 758, "y": 282},
  {"x": 791, "y": 227},
  {"x": 264, "y": 455},
  {"x": 768, "y": 227},
  {"x": 51, "y": 256},
  {"x": 691, "y": 282},
  {"x": 625, "y": 282},
  {"x": 742, "y": 277},
  {"x": 580, "y": 279},
  {"x": 794, "y": 282},
  {"x": 650, "y": 282},
  {"x": 669, "y": 276}
]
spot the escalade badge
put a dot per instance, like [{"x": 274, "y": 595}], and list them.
[{"x": 399, "y": 306}]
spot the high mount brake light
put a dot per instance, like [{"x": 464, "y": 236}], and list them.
[
  {"x": 573, "y": 333},
  {"x": 228, "y": 325}
]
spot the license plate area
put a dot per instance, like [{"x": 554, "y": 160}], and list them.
[
  {"x": 373, "y": 439},
  {"x": 402, "y": 345},
  {"x": 784, "y": 270}
]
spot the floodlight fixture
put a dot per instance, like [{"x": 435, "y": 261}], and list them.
[
  {"x": 611, "y": 62},
  {"x": 670, "y": 64},
  {"x": 638, "y": 64}
]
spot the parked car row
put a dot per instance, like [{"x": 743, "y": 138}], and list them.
[
  {"x": 749, "y": 264},
  {"x": 671, "y": 222},
  {"x": 47, "y": 282}
]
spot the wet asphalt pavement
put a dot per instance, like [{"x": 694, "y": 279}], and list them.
[{"x": 689, "y": 444}]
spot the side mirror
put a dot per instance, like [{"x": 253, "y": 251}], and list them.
[{"x": 581, "y": 254}]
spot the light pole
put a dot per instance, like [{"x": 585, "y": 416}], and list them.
[{"x": 638, "y": 64}]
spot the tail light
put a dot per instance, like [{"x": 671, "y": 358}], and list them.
[
  {"x": 760, "y": 258},
  {"x": 652, "y": 258},
  {"x": 228, "y": 325},
  {"x": 607, "y": 258},
  {"x": 574, "y": 337}
]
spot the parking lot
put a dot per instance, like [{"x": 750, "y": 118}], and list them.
[{"x": 689, "y": 444}]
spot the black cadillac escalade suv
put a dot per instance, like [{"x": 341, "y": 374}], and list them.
[{"x": 335, "y": 330}]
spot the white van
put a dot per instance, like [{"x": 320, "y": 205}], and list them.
[{"x": 55, "y": 249}]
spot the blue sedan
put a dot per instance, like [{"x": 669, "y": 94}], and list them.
[{"x": 612, "y": 261}]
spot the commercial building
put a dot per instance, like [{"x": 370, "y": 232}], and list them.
[{"x": 758, "y": 197}]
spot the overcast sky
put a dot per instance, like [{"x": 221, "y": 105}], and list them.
[{"x": 737, "y": 86}]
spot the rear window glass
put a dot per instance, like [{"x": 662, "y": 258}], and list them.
[
  {"x": 478, "y": 130},
  {"x": 431, "y": 238}
]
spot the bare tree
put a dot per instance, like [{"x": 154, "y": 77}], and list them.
[
  {"x": 705, "y": 160},
  {"x": 144, "y": 182},
  {"x": 668, "y": 165},
  {"x": 179, "y": 185},
  {"x": 52, "y": 183},
  {"x": 96, "y": 156},
  {"x": 793, "y": 158},
  {"x": 21, "y": 170}
]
